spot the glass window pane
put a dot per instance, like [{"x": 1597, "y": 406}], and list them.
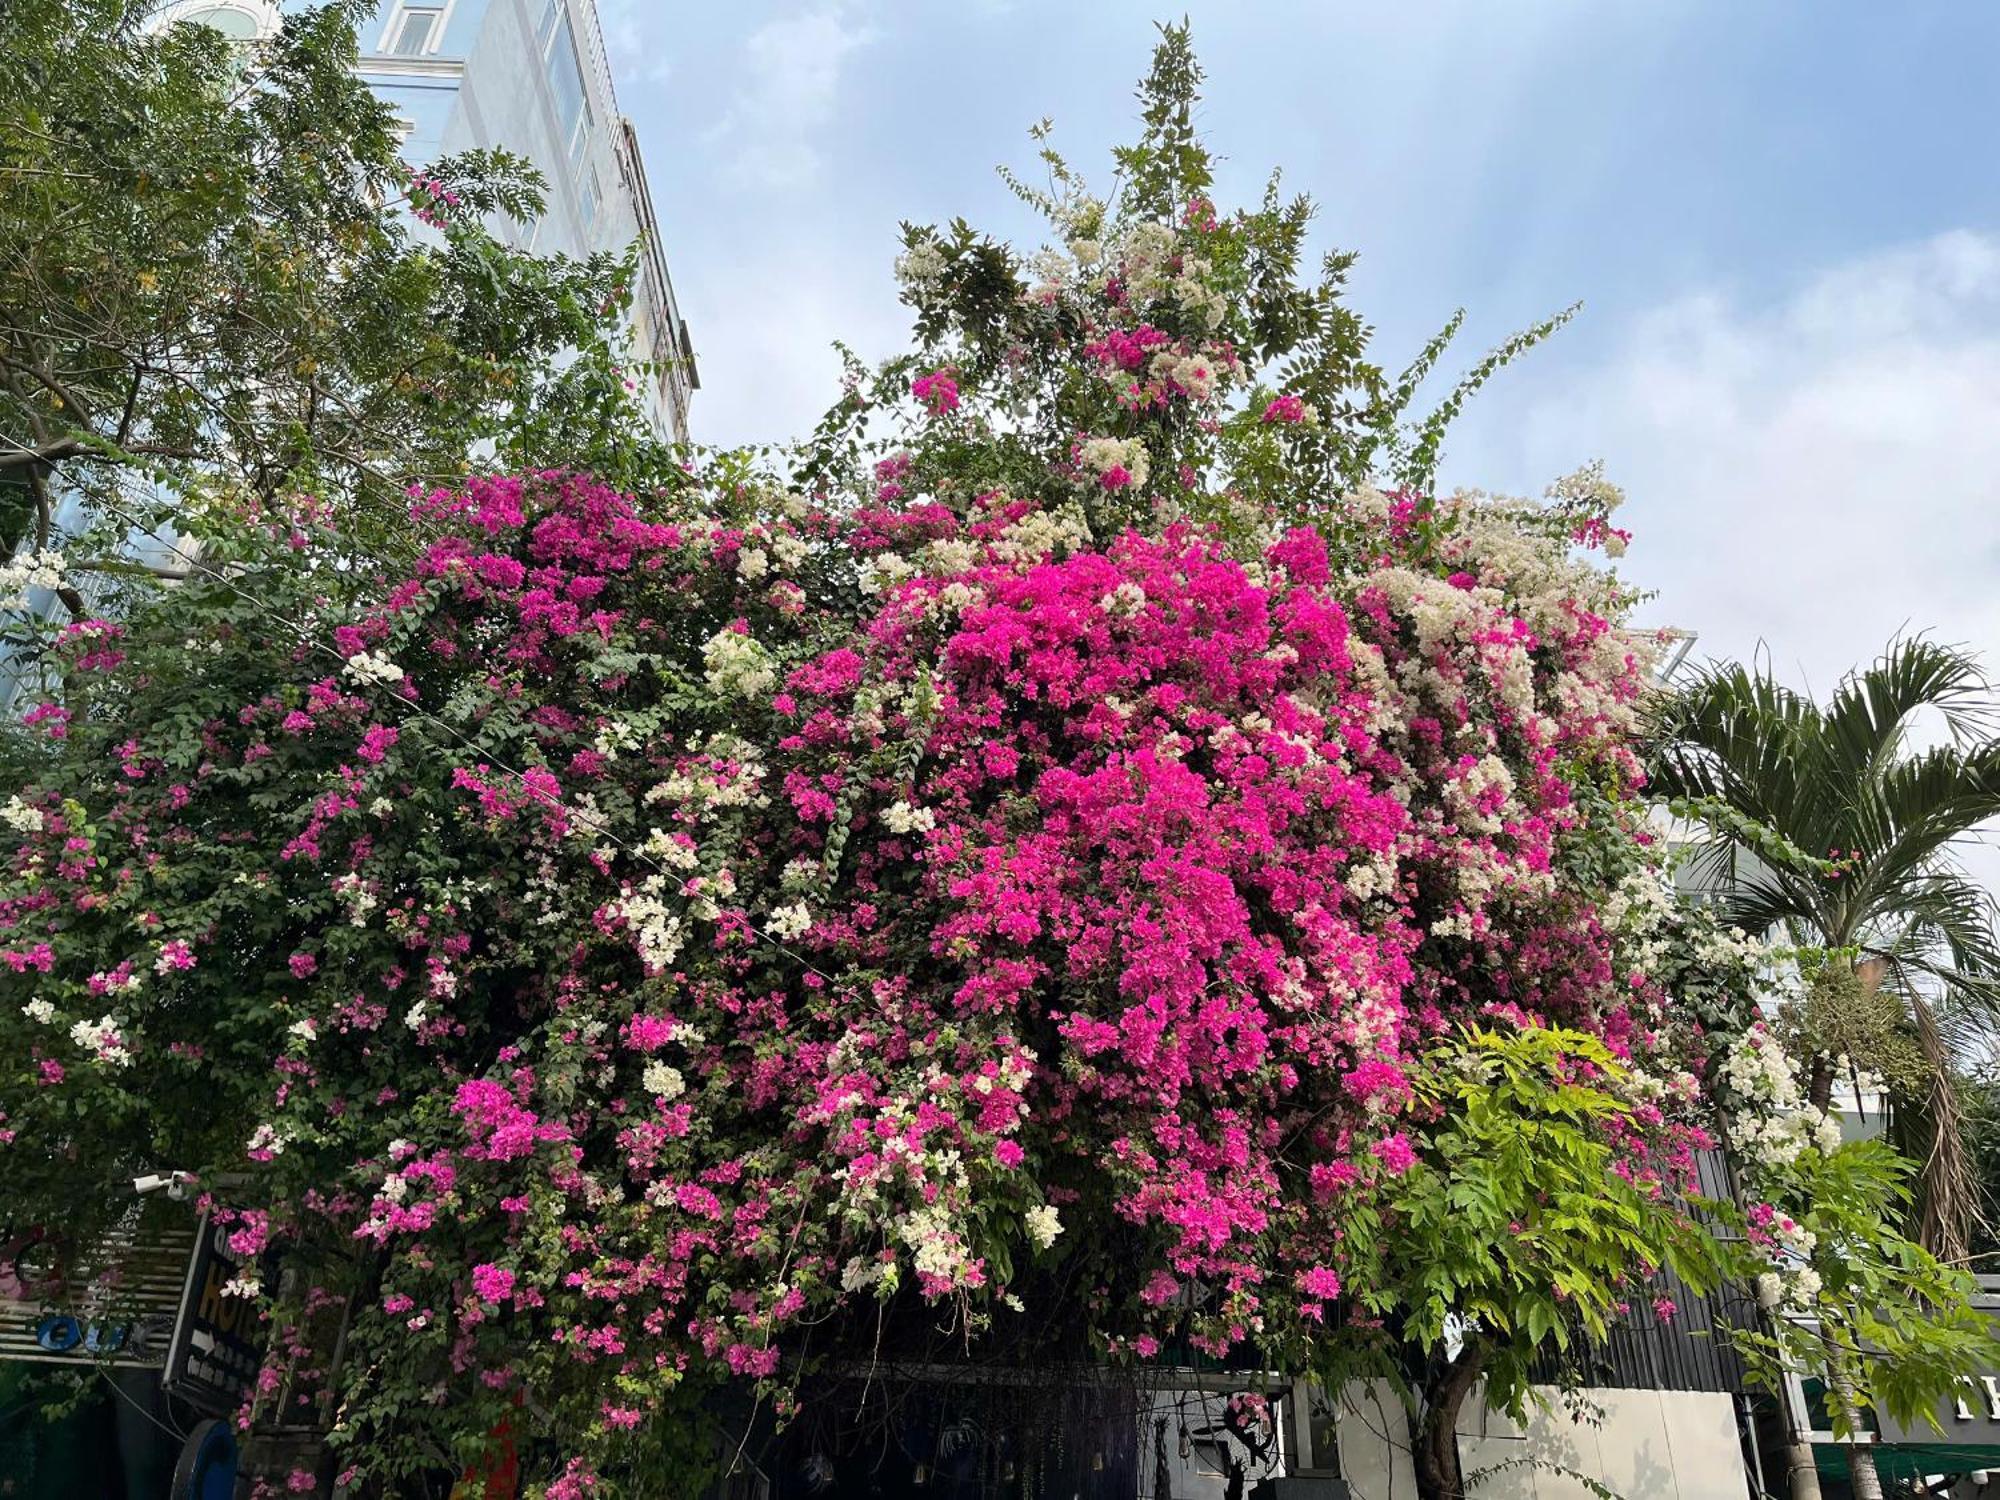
[
  {"x": 566, "y": 86},
  {"x": 546, "y": 27},
  {"x": 237, "y": 25},
  {"x": 413, "y": 37}
]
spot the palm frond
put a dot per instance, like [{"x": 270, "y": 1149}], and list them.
[{"x": 1870, "y": 711}]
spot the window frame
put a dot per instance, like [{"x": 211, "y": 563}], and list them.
[
  {"x": 575, "y": 148},
  {"x": 262, "y": 14},
  {"x": 439, "y": 12}
]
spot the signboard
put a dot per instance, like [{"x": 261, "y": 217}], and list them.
[
  {"x": 113, "y": 1306},
  {"x": 1968, "y": 1420},
  {"x": 1972, "y": 1418},
  {"x": 207, "y": 1467},
  {"x": 214, "y": 1353}
]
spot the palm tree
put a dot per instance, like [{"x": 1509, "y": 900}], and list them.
[{"x": 1839, "y": 831}]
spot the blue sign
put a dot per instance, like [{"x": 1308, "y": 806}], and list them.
[{"x": 207, "y": 1467}]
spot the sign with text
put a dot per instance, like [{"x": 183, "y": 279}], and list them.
[
  {"x": 213, "y": 1356},
  {"x": 1972, "y": 1415},
  {"x": 111, "y": 1304}
]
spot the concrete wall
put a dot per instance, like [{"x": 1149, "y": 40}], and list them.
[{"x": 1643, "y": 1445}]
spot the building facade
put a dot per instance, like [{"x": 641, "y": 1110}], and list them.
[{"x": 530, "y": 77}]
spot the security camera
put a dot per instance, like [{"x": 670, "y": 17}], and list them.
[{"x": 176, "y": 1184}]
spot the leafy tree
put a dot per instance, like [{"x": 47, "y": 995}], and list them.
[
  {"x": 220, "y": 287},
  {"x": 1228, "y": 292},
  {"x": 1069, "y": 866},
  {"x": 1515, "y": 1237},
  {"x": 1826, "y": 823}
]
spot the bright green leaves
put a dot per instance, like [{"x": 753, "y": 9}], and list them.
[{"x": 1518, "y": 1222}]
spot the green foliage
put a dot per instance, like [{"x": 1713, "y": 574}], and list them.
[
  {"x": 1825, "y": 823},
  {"x": 214, "y": 293},
  {"x": 1514, "y": 1229},
  {"x": 1887, "y": 1319},
  {"x": 982, "y": 311}
]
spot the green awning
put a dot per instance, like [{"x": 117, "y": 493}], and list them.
[{"x": 1907, "y": 1460}]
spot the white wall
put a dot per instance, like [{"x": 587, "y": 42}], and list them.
[{"x": 1643, "y": 1445}]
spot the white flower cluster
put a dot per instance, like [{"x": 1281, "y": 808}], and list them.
[
  {"x": 920, "y": 267},
  {"x": 736, "y": 665},
  {"x": 790, "y": 550},
  {"x": 674, "y": 850},
  {"x": 20, "y": 817},
  {"x": 704, "y": 891},
  {"x": 101, "y": 1038},
  {"x": 1488, "y": 780},
  {"x": 1778, "y": 1126},
  {"x": 352, "y": 892},
  {"x": 1771, "y": 1128},
  {"x": 787, "y": 922},
  {"x": 950, "y": 555},
  {"x": 880, "y": 574},
  {"x": 616, "y": 736},
  {"x": 709, "y": 788},
  {"x": 1042, "y": 533},
  {"x": 1043, "y": 1225},
  {"x": 1194, "y": 373},
  {"x": 370, "y": 667},
  {"x": 865, "y": 1271},
  {"x": 900, "y": 817},
  {"x": 39, "y": 1010},
  {"x": 663, "y": 1080},
  {"x": 1123, "y": 602},
  {"x": 1589, "y": 486},
  {"x": 937, "y": 1249},
  {"x": 656, "y": 929},
  {"x": 1100, "y": 455},
  {"x": 28, "y": 570},
  {"x": 1154, "y": 269},
  {"x": 1637, "y": 913}
]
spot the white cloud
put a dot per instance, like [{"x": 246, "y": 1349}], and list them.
[
  {"x": 635, "y": 51},
  {"x": 767, "y": 322},
  {"x": 788, "y": 96},
  {"x": 1813, "y": 474}
]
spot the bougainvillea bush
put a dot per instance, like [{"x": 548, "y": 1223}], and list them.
[{"x": 1061, "y": 864}]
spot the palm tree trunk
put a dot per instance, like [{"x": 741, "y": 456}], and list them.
[{"x": 1948, "y": 1185}]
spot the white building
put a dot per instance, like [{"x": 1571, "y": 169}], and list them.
[{"x": 530, "y": 77}]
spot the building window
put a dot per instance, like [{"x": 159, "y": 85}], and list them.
[
  {"x": 238, "y": 21},
  {"x": 237, "y": 25},
  {"x": 566, "y": 90},
  {"x": 546, "y": 27},
  {"x": 589, "y": 197},
  {"x": 414, "y": 30}
]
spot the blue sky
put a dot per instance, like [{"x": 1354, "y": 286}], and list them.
[{"x": 1783, "y": 220}]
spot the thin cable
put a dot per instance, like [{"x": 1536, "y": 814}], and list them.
[{"x": 126, "y": 1396}]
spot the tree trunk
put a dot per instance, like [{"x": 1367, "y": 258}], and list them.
[
  {"x": 1819, "y": 1082},
  {"x": 1801, "y": 1472},
  {"x": 1948, "y": 1186},
  {"x": 1867, "y": 1483},
  {"x": 1434, "y": 1449}
]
